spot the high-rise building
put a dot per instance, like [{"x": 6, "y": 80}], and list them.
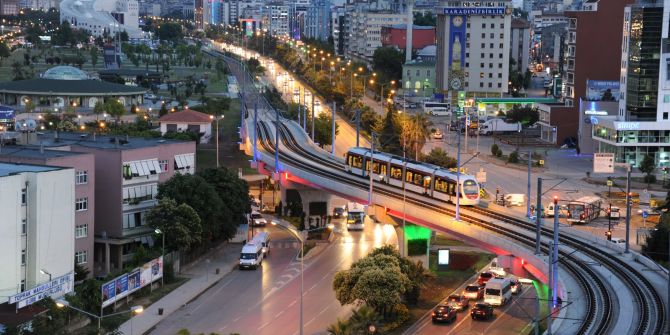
[
  {"x": 105, "y": 17},
  {"x": 317, "y": 20},
  {"x": 473, "y": 42},
  {"x": 337, "y": 23},
  {"x": 364, "y": 31},
  {"x": 278, "y": 19},
  {"x": 37, "y": 227},
  {"x": 520, "y": 49},
  {"x": 642, "y": 124}
]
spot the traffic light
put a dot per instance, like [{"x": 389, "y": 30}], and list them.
[
  {"x": 665, "y": 170},
  {"x": 609, "y": 235},
  {"x": 555, "y": 199}
]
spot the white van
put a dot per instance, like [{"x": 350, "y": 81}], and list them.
[
  {"x": 498, "y": 291},
  {"x": 251, "y": 256},
  {"x": 264, "y": 239},
  {"x": 515, "y": 199}
]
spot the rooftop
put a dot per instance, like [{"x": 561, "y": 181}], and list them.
[
  {"x": 33, "y": 152},
  {"x": 419, "y": 63},
  {"x": 414, "y": 27},
  {"x": 429, "y": 50},
  {"x": 65, "y": 73},
  {"x": 520, "y": 24},
  {"x": 83, "y": 87},
  {"x": 186, "y": 116},
  {"x": 129, "y": 72},
  {"x": 54, "y": 139},
  {"x": 7, "y": 169}
]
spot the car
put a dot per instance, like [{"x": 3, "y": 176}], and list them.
[
  {"x": 484, "y": 277},
  {"x": 458, "y": 302},
  {"x": 257, "y": 219},
  {"x": 618, "y": 241},
  {"x": 338, "y": 212},
  {"x": 438, "y": 135},
  {"x": 482, "y": 311},
  {"x": 516, "y": 285},
  {"x": 498, "y": 271},
  {"x": 443, "y": 313},
  {"x": 474, "y": 291}
]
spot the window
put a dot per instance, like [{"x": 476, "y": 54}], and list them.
[
  {"x": 491, "y": 34},
  {"x": 24, "y": 196},
  {"x": 493, "y": 25},
  {"x": 491, "y": 45},
  {"x": 483, "y": 35},
  {"x": 164, "y": 165},
  {"x": 500, "y": 65},
  {"x": 502, "y": 35},
  {"x": 483, "y": 45},
  {"x": 481, "y": 64},
  {"x": 81, "y": 231},
  {"x": 81, "y": 204},
  {"x": 490, "y": 65},
  {"x": 481, "y": 85},
  {"x": 23, "y": 285},
  {"x": 81, "y": 177},
  {"x": 418, "y": 73},
  {"x": 483, "y": 25},
  {"x": 80, "y": 257},
  {"x": 490, "y": 55},
  {"x": 132, "y": 220},
  {"x": 490, "y": 85},
  {"x": 500, "y": 45},
  {"x": 499, "y": 55},
  {"x": 467, "y": 64},
  {"x": 427, "y": 73},
  {"x": 24, "y": 227},
  {"x": 499, "y": 85},
  {"x": 665, "y": 115},
  {"x": 23, "y": 257},
  {"x": 483, "y": 55},
  {"x": 499, "y": 75}
]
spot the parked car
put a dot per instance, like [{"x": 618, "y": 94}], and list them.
[
  {"x": 338, "y": 212},
  {"x": 515, "y": 199},
  {"x": 484, "y": 277},
  {"x": 482, "y": 311},
  {"x": 516, "y": 285},
  {"x": 618, "y": 241},
  {"x": 474, "y": 291},
  {"x": 443, "y": 313},
  {"x": 458, "y": 302}
]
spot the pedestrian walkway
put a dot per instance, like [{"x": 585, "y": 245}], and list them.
[{"x": 202, "y": 275}]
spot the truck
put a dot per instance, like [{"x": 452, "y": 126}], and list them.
[{"x": 498, "y": 126}]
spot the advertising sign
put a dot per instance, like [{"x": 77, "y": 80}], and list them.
[
  {"x": 603, "y": 162},
  {"x": 443, "y": 257},
  {"x": 151, "y": 271},
  {"x": 57, "y": 287},
  {"x": 457, "y": 24},
  {"x": 602, "y": 90},
  {"x": 128, "y": 283},
  {"x": 6, "y": 114},
  {"x": 108, "y": 293},
  {"x": 474, "y": 11},
  {"x": 134, "y": 281}
]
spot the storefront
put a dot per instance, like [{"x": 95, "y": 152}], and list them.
[{"x": 631, "y": 141}]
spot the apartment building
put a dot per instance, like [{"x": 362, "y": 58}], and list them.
[
  {"x": 84, "y": 191},
  {"x": 364, "y": 31},
  {"x": 520, "y": 49},
  {"x": 37, "y": 228}
]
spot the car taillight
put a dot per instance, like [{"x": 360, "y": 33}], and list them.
[{"x": 433, "y": 313}]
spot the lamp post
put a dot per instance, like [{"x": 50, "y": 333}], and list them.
[
  {"x": 372, "y": 162},
  {"x": 61, "y": 303},
  {"x": 216, "y": 119},
  {"x": 158, "y": 231},
  {"x": 45, "y": 272},
  {"x": 381, "y": 94}
]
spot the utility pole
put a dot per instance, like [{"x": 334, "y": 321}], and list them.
[
  {"x": 256, "y": 131},
  {"x": 458, "y": 177},
  {"x": 528, "y": 214},
  {"x": 332, "y": 149},
  {"x": 551, "y": 285},
  {"x": 554, "y": 258},
  {"x": 312, "y": 116},
  {"x": 277, "y": 142},
  {"x": 370, "y": 172},
  {"x": 628, "y": 209},
  {"x": 538, "y": 217},
  {"x": 609, "y": 223}
]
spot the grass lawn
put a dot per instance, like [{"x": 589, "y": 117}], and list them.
[{"x": 463, "y": 267}]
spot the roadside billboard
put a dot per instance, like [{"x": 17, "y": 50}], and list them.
[
  {"x": 55, "y": 288},
  {"x": 602, "y": 90},
  {"x": 128, "y": 283}
]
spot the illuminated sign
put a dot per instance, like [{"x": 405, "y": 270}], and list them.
[
  {"x": 443, "y": 257},
  {"x": 595, "y": 112},
  {"x": 627, "y": 125},
  {"x": 474, "y": 11}
]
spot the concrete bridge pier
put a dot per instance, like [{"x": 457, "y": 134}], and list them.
[{"x": 317, "y": 204}]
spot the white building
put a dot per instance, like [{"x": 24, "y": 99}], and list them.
[
  {"x": 473, "y": 46},
  {"x": 187, "y": 120},
  {"x": 98, "y": 16},
  {"x": 364, "y": 31},
  {"x": 278, "y": 19},
  {"x": 37, "y": 227}
]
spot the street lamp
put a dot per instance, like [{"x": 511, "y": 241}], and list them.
[
  {"x": 61, "y": 303},
  {"x": 158, "y": 231},
  {"x": 45, "y": 272},
  {"x": 211, "y": 117}
]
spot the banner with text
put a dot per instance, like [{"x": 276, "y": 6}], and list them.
[
  {"x": 128, "y": 283},
  {"x": 57, "y": 287}
]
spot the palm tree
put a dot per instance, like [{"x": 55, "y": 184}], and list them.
[
  {"x": 341, "y": 327},
  {"x": 420, "y": 130},
  {"x": 362, "y": 318}
]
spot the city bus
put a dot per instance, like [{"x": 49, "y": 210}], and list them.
[
  {"x": 584, "y": 209},
  {"x": 430, "y": 106}
]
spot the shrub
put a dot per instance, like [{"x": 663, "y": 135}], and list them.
[
  {"x": 401, "y": 316},
  {"x": 513, "y": 157},
  {"x": 499, "y": 153},
  {"x": 417, "y": 247},
  {"x": 494, "y": 149},
  {"x": 649, "y": 178}
]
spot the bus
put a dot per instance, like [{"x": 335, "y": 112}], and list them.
[
  {"x": 355, "y": 216},
  {"x": 498, "y": 291},
  {"x": 584, "y": 209},
  {"x": 430, "y": 106}
]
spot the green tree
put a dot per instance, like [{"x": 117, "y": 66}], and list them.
[
  {"x": 99, "y": 108},
  {"x": 64, "y": 35},
  {"x": 513, "y": 157},
  {"x": 115, "y": 108},
  {"x": 362, "y": 318},
  {"x": 389, "y": 135},
  {"x": 425, "y": 19},
  {"x": 656, "y": 245},
  {"x": 163, "y": 110},
  {"x": 180, "y": 224},
  {"x": 53, "y": 321},
  {"x": 80, "y": 272},
  {"x": 647, "y": 166},
  {"x": 419, "y": 128},
  {"x": 94, "y": 55},
  {"x": 439, "y": 157},
  {"x": 340, "y": 327},
  {"x": 494, "y": 149},
  {"x": 389, "y": 60},
  {"x": 171, "y": 32},
  {"x": 527, "y": 115},
  {"x": 254, "y": 67},
  {"x": 234, "y": 193},
  {"x": 323, "y": 129},
  {"x": 194, "y": 191},
  {"x": 4, "y": 51}
]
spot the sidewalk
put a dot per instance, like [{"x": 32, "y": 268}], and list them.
[{"x": 202, "y": 274}]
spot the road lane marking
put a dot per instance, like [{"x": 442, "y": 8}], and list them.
[
  {"x": 237, "y": 318},
  {"x": 313, "y": 287},
  {"x": 278, "y": 314},
  {"x": 293, "y": 303},
  {"x": 263, "y": 325}
]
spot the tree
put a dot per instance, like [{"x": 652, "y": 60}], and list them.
[
  {"x": 362, "y": 318},
  {"x": 80, "y": 272},
  {"x": 647, "y": 166},
  {"x": 439, "y": 157},
  {"x": 124, "y": 36},
  {"x": 170, "y": 32},
  {"x": 513, "y": 157},
  {"x": 494, "y": 149},
  {"x": 527, "y": 115},
  {"x": 425, "y": 19},
  {"x": 389, "y": 60},
  {"x": 4, "y": 51},
  {"x": 323, "y": 129},
  {"x": 94, "y": 55},
  {"x": 388, "y": 137},
  {"x": 234, "y": 193},
  {"x": 99, "y": 108},
  {"x": 254, "y": 66},
  {"x": 340, "y": 327},
  {"x": 656, "y": 245},
  {"x": 180, "y": 224},
  {"x": 115, "y": 108},
  {"x": 419, "y": 125},
  {"x": 53, "y": 321},
  {"x": 194, "y": 191},
  {"x": 17, "y": 71},
  {"x": 163, "y": 110}
]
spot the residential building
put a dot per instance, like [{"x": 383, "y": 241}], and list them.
[
  {"x": 364, "y": 31},
  {"x": 473, "y": 47},
  {"x": 84, "y": 191},
  {"x": 199, "y": 14},
  {"x": 9, "y": 7},
  {"x": 37, "y": 230},
  {"x": 317, "y": 20},
  {"x": 520, "y": 49},
  {"x": 187, "y": 120},
  {"x": 642, "y": 126},
  {"x": 278, "y": 19},
  {"x": 128, "y": 171},
  {"x": 589, "y": 37},
  {"x": 103, "y": 16},
  {"x": 338, "y": 29},
  {"x": 418, "y": 77},
  {"x": 552, "y": 42},
  {"x": 396, "y": 35},
  {"x": 544, "y": 19}
]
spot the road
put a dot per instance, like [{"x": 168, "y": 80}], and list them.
[{"x": 266, "y": 301}]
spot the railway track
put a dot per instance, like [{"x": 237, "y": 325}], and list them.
[{"x": 599, "y": 316}]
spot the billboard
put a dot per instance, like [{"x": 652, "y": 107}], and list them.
[
  {"x": 475, "y": 11},
  {"x": 128, "y": 283},
  {"x": 57, "y": 287},
  {"x": 602, "y": 90},
  {"x": 457, "y": 38},
  {"x": 6, "y": 114}
]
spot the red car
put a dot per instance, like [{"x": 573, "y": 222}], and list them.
[{"x": 484, "y": 277}]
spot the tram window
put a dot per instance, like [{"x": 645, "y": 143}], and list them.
[
  {"x": 440, "y": 185},
  {"x": 452, "y": 188},
  {"x": 396, "y": 172},
  {"x": 375, "y": 167},
  {"x": 418, "y": 179},
  {"x": 409, "y": 176},
  {"x": 355, "y": 161}
]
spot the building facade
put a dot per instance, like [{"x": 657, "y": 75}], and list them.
[
  {"x": 37, "y": 226},
  {"x": 103, "y": 16},
  {"x": 364, "y": 31},
  {"x": 84, "y": 191},
  {"x": 278, "y": 19},
  {"x": 396, "y": 36},
  {"x": 317, "y": 20},
  {"x": 473, "y": 47},
  {"x": 418, "y": 77},
  {"x": 642, "y": 126},
  {"x": 520, "y": 49}
]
